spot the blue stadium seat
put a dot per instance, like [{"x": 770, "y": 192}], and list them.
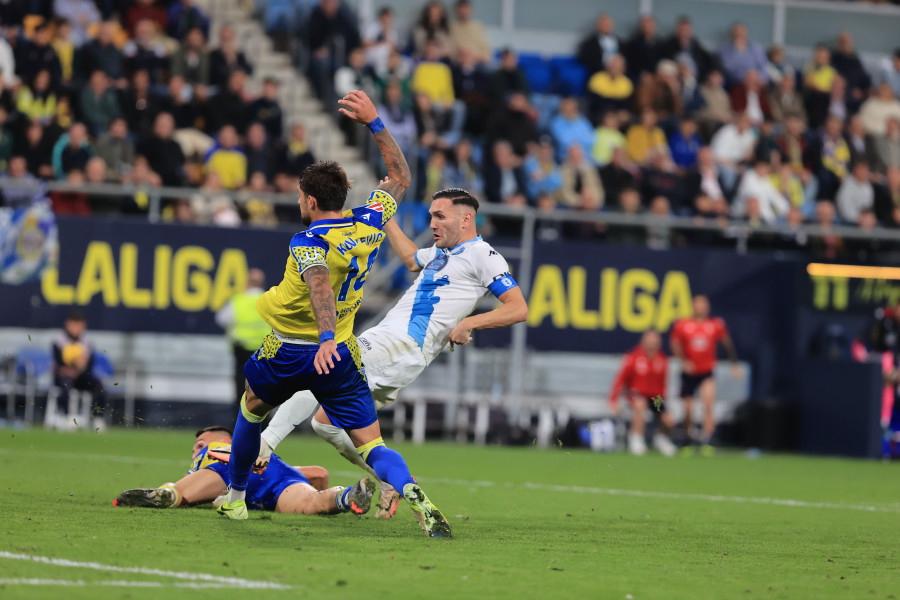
[
  {"x": 569, "y": 75},
  {"x": 102, "y": 366},
  {"x": 280, "y": 16},
  {"x": 33, "y": 361},
  {"x": 539, "y": 75}
]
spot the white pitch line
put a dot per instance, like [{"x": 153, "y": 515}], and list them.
[
  {"x": 577, "y": 489},
  {"x": 236, "y": 582},
  {"x": 130, "y": 584}
]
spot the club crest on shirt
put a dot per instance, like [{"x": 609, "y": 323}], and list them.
[{"x": 437, "y": 263}]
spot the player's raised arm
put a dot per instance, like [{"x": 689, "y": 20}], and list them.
[
  {"x": 513, "y": 309},
  {"x": 324, "y": 307},
  {"x": 359, "y": 107},
  {"x": 404, "y": 247}
]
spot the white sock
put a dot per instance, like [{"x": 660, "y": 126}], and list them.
[
  {"x": 235, "y": 495},
  {"x": 338, "y": 438},
  {"x": 294, "y": 411}
]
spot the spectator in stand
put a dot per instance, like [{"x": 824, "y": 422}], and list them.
[
  {"x": 829, "y": 245},
  {"x": 617, "y": 175},
  {"x": 73, "y": 361},
  {"x": 99, "y": 104},
  {"x": 227, "y": 58},
  {"x": 732, "y": 146},
  {"x": 541, "y": 171},
  {"x": 595, "y": 50},
  {"x": 645, "y": 137},
  {"x": 661, "y": 92},
  {"x": 468, "y": 32},
  {"x": 37, "y": 55},
  {"x": 431, "y": 127},
  {"x": 138, "y": 105},
  {"x": 163, "y": 153},
  {"x": 789, "y": 185},
  {"x": 847, "y": 63},
  {"x": 514, "y": 123},
  {"x": 878, "y": 109},
  {"x": 716, "y": 110},
  {"x": 889, "y": 72},
  {"x": 379, "y": 40},
  {"x": 432, "y": 27},
  {"x": 102, "y": 54},
  {"x": 691, "y": 98},
  {"x": 65, "y": 51},
  {"x": 7, "y": 141},
  {"x": 7, "y": 62},
  {"x": 116, "y": 149},
  {"x": 182, "y": 17},
  {"x": 144, "y": 10},
  {"x": 831, "y": 158},
  {"x": 683, "y": 47},
  {"x": 399, "y": 70},
  {"x": 267, "y": 110},
  {"x": 7, "y": 99},
  {"x": 661, "y": 178},
  {"x": 20, "y": 188},
  {"x": 569, "y": 127},
  {"x": 581, "y": 185},
  {"x": 856, "y": 194},
  {"x": 260, "y": 213},
  {"x": 860, "y": 143},
  {"x": 756, "y": 184},
  {"x": 472, "y": 86},
  {"x": 398, "y": 118},
  {"x": 659, "y": 231},
  {"x": 229, "y": 107},
  {"x": 461, "y": 170},
  {"x": 214, "y": 209},
  {"x": 146, "y": 51},
  {"x": 750, "y": 97},
  {"x": 178, "y": 103},
  {"x": 643, "y": 50},
  {"x": 887, "y": 198},
  {"x": 610, "y": 90},
  {"x": 684, "y": 145},
  {"x": 777, "y": 66},
  {"x": 181, "y": 211},
  {"x": 72, "y": 151},
  {"x": 795, "y": 152},
  {"x": 71, "y": 203},
  {"x": 227, "y": 160},
  {"x": 509, "y": 78},
  {"x": 886, "y": 148},
  {"x": 357, "y": 75},
  {"x": 433, "y": 78},
  {"x": 37, "y": 100},
  {"x": 36, "y": 149},
  {"x": 741, "y": 54},
  {"x": 785, "y": 102},
  {"x": 607, "y": 138},
  {"x": 81, "y": 14},
  {"x": 504, "y": 176},
  {"x": 261, "y": 153},
  {"x": 297, "y": 155},
  {"x": 191, "y": 60},
  {"x": 629, "y": 203},
  {"x": 818, "y": 80}
]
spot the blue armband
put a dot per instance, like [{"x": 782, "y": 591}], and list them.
[
  {"x": 325, "y": 336},
  {"x": 375, "y": 125}
]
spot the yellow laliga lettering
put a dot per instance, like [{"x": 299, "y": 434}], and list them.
[
  {"x": 98, "y": 275},
  {"x": 231, "y": 277},
  {"x": 841, "y": 295},
  {"x": 548, "y": 297},
  {"x": 580, "y": 318},
  {"x": 162, "y": 269},
  {"x": 674, "y": 300},
  {"x": 190, "y": 278},
  {"x": 636, "y": 307},
  {"x": 132, "y": 295},
  {"x": 609, "y": 278},
  {"x": 53, "y": 292}
]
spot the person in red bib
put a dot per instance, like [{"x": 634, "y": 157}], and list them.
[
  {"x": 694, "y": 341},
  {"x": 643, "y": 377}
]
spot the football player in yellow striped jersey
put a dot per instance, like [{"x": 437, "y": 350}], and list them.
[{"x": 311, "y": 312}]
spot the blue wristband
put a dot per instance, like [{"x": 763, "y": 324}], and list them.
[
  {"x": 375, "y": 125},
  {"x": 325, "y": 336}
]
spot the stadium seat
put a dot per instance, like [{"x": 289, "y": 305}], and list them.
[
  {"x": 33, "y": 369},
  {"x": 569, "y": 75},
  {"x": 539, "y": 75}
]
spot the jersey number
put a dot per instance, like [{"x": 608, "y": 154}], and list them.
[{"x": 353, "y": 272}]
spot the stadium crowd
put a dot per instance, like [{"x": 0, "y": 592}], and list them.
[{"x": 634, "y": 122}]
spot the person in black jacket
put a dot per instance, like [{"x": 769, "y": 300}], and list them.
[
  {"x": 643, "y": 50},
  {"x": 846, "y": 62},
  {"x": 226, "y": 59},
  {"x": 595, "y": 49},
  {"x": 682, "y": 46},
  {"x": 162, "y": 152},
  {"x": 331, "y": 35}
]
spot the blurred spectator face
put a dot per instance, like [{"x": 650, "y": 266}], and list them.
[
  {"x": 776, "y": 55},
  {"x": 141, "y": 172},
  {"x": 41, "y": 36},
  {"x": 688, "y": 128},
  {"x": 701, "y": 306},
  {"x": 256, "y": 136},
  {"x": 568, "y": 108},
  {"x": 503, "y": 155},
  {"x": 423, "y": 102},
  {"x": 616, "y": 66},
  {"x": 575, "y": 155},
  {"x": 118, "y": 128},
  {"x": 201, "y": 93},
  {"x": 509, "y": 60},
  {"x": 630, "y": 201},
  {"x": 164, "y": 126},
  {"x": 794, "y": 216},
  {"x": 751, "y": 209},
  {"x": 41, "y": 81},
  {"x": 63, "y": 30},
  {"x": 183, "y": 212},
  {"x": 651, "y": 341},
  {"x": 762, "y": 168},
  {"x": 106, "y": 32},
  {"x": 838, "y": 87},
  {"x": 861, "y": 171},
  {"x": 611, "y": 120},
  {"x": 822, "y": 56},
  {"x": 667, "y": 70},
  {"x": 845, "y": 42},
  {"x": 212, "y": 181},
  {"x": 17, "y": 167},
  {"x": 357, "y": 59},
  {"x": 618, "y": 157},
  {"x": 386, "y": 18},
  {"x": 787, "y": 85},
  {"x": 437, "y": 160},
  {"x": 75, "y": 177},
  {"x": 660, "y": 207},
  {"x": 195, "y": 39},
  {"x": 715, "y": 80},
  {"x": 226, "y": 36},
  {"x": 144, "y": 32},
  {"x": 270, "y": 89},
  {"x": 177, "y": 88},
  {"x": 648, "y": 119},
  {"x": 515, "y": 200},
  {"x": 393, "y": 95},
  {"x": 236, "y": 82},
  {"x": 605, "y": 25},
  {"x": 739, "y": 33},
  {"x": 75, "y": 327},
  {"x": 98, "y": 83},
  {"x": 95, "y": 170},
  {"x": 298, "y": 134},
  {"x": 432, "y": 51},
  {"x": 885, "y": 93},
  {"x": 77, "y": 134},
  {"x": 867, "y": 220},
  {"x": 329, "y": 7},
  {"x": 833, "y": 127},
  {"x": 684, "y": 30},
  {"x": 703, "y": 204},
  {"x": 545, "y": 153},
  {"x": 258, "y": 182},
  {"x": 546, "y": 203},
  {"x": 794, "y": 125},
  {"x": 34, "y": 133},
  {"x": 463, "y": 152},
  {"x": 140, "y": 81},
  {"x": 518, "y": 103},
  {"x": 648, "y": 26},
  {"x": 463, "y": 12},
  {"x": 228, "y": 137},
  {"x": 435, "y": 12},
  {"x": 751, "y": 79},
  {"x": 825, "y": 212},
  {"x": 466, "y": 57}
]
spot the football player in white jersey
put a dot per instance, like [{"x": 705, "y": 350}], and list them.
[{"x": 457, "y": 272}]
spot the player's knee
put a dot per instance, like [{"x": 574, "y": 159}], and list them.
[{"x": 324, "y": 430}]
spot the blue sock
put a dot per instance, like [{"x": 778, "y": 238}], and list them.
[
  {"x": 244, "y": 447},
  {"x": 389, "y": 466}
]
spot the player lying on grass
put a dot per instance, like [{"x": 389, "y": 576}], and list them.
[
  {"x": 458, "y": 272},
  {"x": 280, "y": 488}
]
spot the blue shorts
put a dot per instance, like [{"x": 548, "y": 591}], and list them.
[
  {"x": 263, "y": 490},
  {"x": 277, "y": 371}
]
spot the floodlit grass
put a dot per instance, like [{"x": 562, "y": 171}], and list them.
[{"x": 527, "y": 524}]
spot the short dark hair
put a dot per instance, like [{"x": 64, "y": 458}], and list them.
[
  {"x": 76, "y": 316},
  {"x": 327, "y": 182},
  {"x": 214, "y": 428},
  {"x": 458, "y": 196}
]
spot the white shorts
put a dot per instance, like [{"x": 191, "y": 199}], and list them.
[{"x": 392, "y": 362}]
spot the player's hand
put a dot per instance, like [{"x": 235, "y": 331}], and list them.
[
  {"x": 358, "y": 107},
  {"x": 323, "y": 360},
  {"x": 737, "y": 372},
  {"x": 688, "y": 367},
  {"x": 461, "y": 335}
]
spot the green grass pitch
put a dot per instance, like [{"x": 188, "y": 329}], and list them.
[{"x": 527, "y": 524}]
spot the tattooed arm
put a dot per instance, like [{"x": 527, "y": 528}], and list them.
[
  {"x": 321, "y": 297},
  {"x": 360, "y": 108}
]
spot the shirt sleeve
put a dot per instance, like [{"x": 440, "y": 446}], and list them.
[
  {"x": 620, "y": 382},
  {"x": 425, "y": 256},
  {"x": 721, "y": 329},
  {"x": 377, "y": 211},
  {"x": 309, "y": 250},
  {"x": 493, "y": 272}
]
